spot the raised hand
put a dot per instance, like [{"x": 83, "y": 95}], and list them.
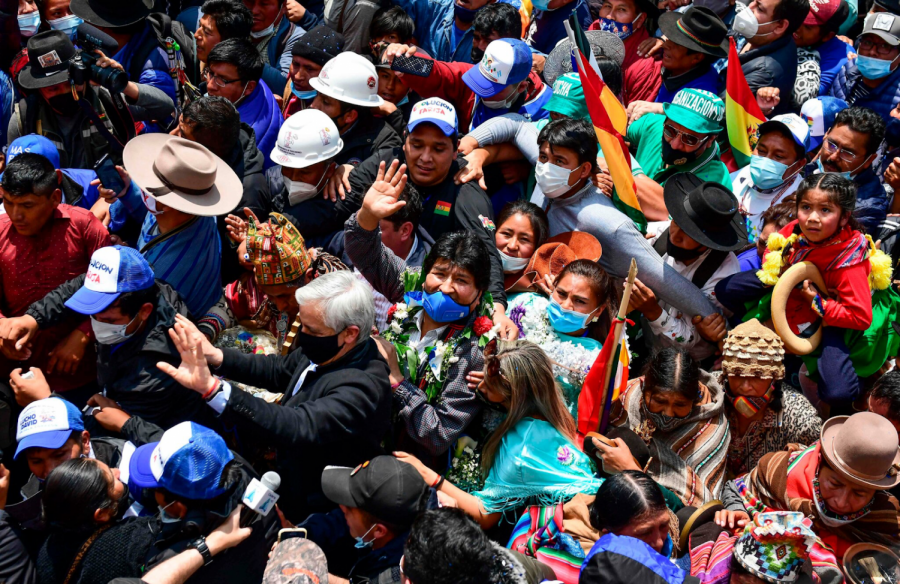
[
  {"x": 382, "y": 199},
  {"x": 193, "y": 373}
]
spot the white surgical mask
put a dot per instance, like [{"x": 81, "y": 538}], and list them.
[
  {"x": 746, "y": 24},
  {"x": 67, "y": 24},
  {"x": 29, "y": 23},
  {"x": 496, "y": 105},
  {"x": 301, "y": 191},
  {"x": 553, "y": 180},
  {"x": 165, "y": 517},
  {"x": 264, "y": 32},
  {"x": 512, "y": 265},
  {"x": 110, "y": 334},
  {"x": 150, "y": 203}
]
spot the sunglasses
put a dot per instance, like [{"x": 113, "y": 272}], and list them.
[{"x": 670, "y": 132}]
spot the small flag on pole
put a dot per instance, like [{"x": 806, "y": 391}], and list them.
[
  {"x": 610, "y": 122},
  {"x": 742, "y": 113}
]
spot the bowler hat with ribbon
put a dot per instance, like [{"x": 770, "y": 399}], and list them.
[
  {"x": 49, "y": 54},
  {"x": 111, "y": 13},
  {"x": 697, "y": 29},
  {"x": 706, "y": 211}
]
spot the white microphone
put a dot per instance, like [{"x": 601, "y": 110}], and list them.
[{"x": 260, "y": 497}]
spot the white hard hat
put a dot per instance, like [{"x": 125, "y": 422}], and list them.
[
  {"x": 305, "y": 138},
  {"x": 349, "y": 78}
]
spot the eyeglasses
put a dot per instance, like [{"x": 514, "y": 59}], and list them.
[
  {"x": 831, "y": 147},
  {"x": 670, "y": 132},
  {"x": 881, "y": 49},
  {"x": 219, "y": 81}
]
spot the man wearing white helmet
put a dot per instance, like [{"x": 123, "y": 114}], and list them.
[{"x": 347, "y": 88}]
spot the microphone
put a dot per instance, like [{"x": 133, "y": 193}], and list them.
[
  {"x": 260, "y": 497},
  {"x": 88, "y": 34}
]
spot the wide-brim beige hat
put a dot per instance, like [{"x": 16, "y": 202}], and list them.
[
  {"x": 863, "y": 448},
  {"x": 182, "y": 174}
]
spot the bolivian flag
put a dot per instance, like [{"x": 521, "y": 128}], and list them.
[
  {"x": 610, "y": 122},
  {"x": 742, "y": 113}
]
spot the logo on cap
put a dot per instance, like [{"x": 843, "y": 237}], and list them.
[
  {"x": 562, "y": 88},
  {"x": 324, "y": 135},
  {"x": 49, "y": 59},
  {"x": 371, "y": 82},
  {"x": 883, "y": 21},
  {"x": 489, "y": 70}
]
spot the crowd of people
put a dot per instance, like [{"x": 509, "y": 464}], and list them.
[{"x": 303, "y": 292}]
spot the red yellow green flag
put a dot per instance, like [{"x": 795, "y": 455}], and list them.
[
  {"x": 610, "y": 121},
  {"x": 742, "y": 113}
]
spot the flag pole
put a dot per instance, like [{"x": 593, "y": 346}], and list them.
[{"x": 613, "y": 362}]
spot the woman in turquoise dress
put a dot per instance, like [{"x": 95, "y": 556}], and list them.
[
  {"x": 566, "y": 322},
  {"x": 531, "y": 458}
]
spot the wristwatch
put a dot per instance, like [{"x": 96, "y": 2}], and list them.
[{"x": 199, "y": 544}]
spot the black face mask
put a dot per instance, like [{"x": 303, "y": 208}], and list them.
[
  {"x": 477, "y": 55},
  {"x": 318, "y": 349},
  {"x": 63, "y": 104},
  {"x": 676, "y": 157},
  {"x": 681, "y": 254},
  {"x": 497, "y": 407}
]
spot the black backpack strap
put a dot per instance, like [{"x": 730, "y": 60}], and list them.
[
  {"x": 660, "y": 244},
  {"x": 709, "y": 267}
]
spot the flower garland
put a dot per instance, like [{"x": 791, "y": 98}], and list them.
[{"x": 402, "y": 321}]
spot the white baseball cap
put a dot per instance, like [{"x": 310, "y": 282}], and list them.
[
  {"x": 434, "y": 111},
  {"x": 113, "y": 271},
  {"x": 47, "y": 423},
  {"x": 819, "y": 114},
  {"x": 794, "y": 124}
]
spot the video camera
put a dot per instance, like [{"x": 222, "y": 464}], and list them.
[{"x": 83, "y": 68}]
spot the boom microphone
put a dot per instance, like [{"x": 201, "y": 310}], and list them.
[{"x": 89, "y": 34}]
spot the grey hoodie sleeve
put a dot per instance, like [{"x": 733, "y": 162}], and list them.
[
  {"x": 151, "y": 104},
  {"x": 510, "y": 128}
]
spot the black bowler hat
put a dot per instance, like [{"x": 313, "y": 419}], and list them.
[
  {"x": 706, "y": 211},
  {"x": 111, "y": 13},
  {"x": 49, "y": 54},
  {"x": 698, "y": 29},
  {"x": 384, "y": 487}
]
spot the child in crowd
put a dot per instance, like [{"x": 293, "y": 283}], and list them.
[
  {"x": 772, "y": 219},
  {"x": 826, "y": 235}
]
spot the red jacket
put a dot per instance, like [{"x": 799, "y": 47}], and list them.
[
  {"x": 446, "y": 82},
  {"x": 641, "y": 75}
]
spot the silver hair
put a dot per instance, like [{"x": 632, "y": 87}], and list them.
[{"x": 344, "y": 301}]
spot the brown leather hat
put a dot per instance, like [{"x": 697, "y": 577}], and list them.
[
  {"x": 560, "y": 251},
  {"x": 863, "y": 448}
]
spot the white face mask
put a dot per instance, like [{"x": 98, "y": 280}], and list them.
[
  {"x": 553, "y": 180},
  {"x": 110, "y": 334},
  {"x": 512, "y": 265},
  {"x": 301, "y": 191},
  {"x": 264, "y": 32},
  {"x": 496, "y": 105},
  {"x": 165, "y": 517},
  {"x": 746, "y": 24},
  {"x": 150, "y": 203}
]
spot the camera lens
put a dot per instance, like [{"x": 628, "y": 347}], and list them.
[{"x": 112, "y": 79}]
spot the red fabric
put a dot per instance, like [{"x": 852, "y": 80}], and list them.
[
  {"x": 642, "y": 75},
  {"x": 447, "y": 83},
  {"x": 30, "y": 267},
  {"x": 851, "y": 305}
]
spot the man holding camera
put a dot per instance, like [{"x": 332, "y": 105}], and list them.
[{"x": 80, "y": 116}]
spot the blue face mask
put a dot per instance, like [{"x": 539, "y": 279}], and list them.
[
  {"x": 464, "y": 14},
  {"x": 67, "y": 24},
  {"x": 361, "y": 542},
  {"x": 307, "y": 95},
  {"x": 845, "y": 174},
  {"x": 623, "y": 31},
  {"x": 29, "y": 23},
  {"x": 442, "y": 308},
  {"x": 543, "y": 5},
  {"x": 567, "y": 321},
  {"x": 403, "y": 101},
  {"x": 766, "y": 173},
  {"x": 872, "y": 68}
]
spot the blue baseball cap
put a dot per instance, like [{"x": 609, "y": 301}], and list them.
[
  {"x": 819, "y": 114},
  {"x": 505, "y": 62},
  {"x": 114, "y": 270},
  {"x": 434, "y": 111},
  {"x": 188, "y": 461},
  {"x": 47, "y": 423},
  {"x": 35, "y": 144}
]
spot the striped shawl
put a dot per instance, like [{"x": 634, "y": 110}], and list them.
[{"x": 689, "y": 460}]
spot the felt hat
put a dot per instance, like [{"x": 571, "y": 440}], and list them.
[
  {"x": 49, "y": 54},
  {"x": 864, "y": 562},
  {"x": 182, "y": 174},
  {"x": 752, "y": 350},
  {"x": 560, "y": 251},
  {"x": 863, "y": 449},
  {"x": 775, "y": 545},
  {"x": 706, "y": 211},
  {"x": 111, "y": 13},
  {"x": 278, "y": 252},
  {"x": 697, "y": 29},
  {"x": 690, "y": 518},
  {"x": 603, "y": 43}
]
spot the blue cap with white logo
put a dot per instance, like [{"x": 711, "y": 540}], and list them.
[
  {"x": 47, "y": 423},
  {"x": 113, "y": 271},
  {"x": 188, "y": 461},
  {"x": 505, "y": 62},
  {"x": 435, "y": 111},
  {"x": 35, "y": 144}
]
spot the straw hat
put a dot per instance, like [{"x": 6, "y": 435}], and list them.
[
  {"x": 863, "y": 449},
  {"x": 752, "y": 350},
  {"x": 560, "y": 251}
]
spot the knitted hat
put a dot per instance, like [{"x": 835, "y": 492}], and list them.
[
  {"x": 775, "y": 545},
  {"x": 320, "y": 44},
  {"x": 752, "y": 350},
  {"x": 277, "y": 251}
]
